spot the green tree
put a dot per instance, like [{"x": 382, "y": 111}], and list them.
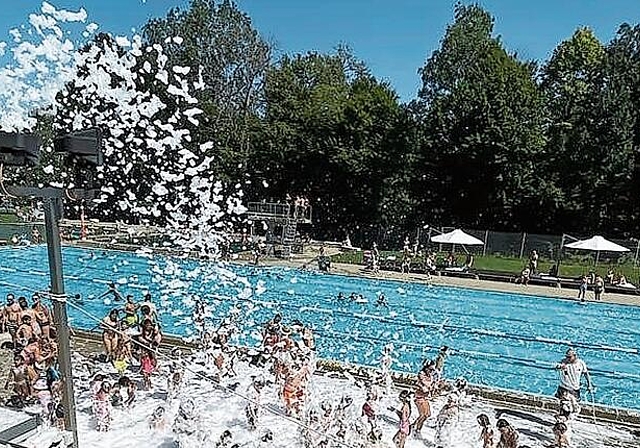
[
  {"x": 228, "y": 58},
  {"x": 330, "y": 135},
  {"x": 480, "y": 109},
  {"x": 623, "y": 75},
  {"x": 590, "y": 133}
]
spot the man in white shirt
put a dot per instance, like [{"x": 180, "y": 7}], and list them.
[{"x": 571, "y": 370}]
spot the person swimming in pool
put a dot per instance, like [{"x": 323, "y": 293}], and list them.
[
  {"x": 382, "y": 301},
  {"x": 113, "y": 290}
]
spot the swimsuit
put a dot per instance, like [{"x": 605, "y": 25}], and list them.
[
  {"x": 404, "y": 427},
  {"x": 148, "y": 365},
  {"x": 120, "y": 365}
]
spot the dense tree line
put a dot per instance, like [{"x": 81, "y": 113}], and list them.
[{"x": 489, "y": 141}]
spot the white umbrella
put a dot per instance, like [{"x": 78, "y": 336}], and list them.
[
  {"x": 597, "y": 244},
  {"x": 457, "y": 237}
]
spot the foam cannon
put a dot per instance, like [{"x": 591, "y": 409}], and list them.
[
  {"x": 83, "y": 153},
  {"x": 19, "y": 149},
  {"x": 82, "y": 147}
]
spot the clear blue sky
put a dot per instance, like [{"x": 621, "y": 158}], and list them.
[{"x": 393, "y": 37}]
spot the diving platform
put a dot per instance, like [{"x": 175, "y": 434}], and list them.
[
  {"x": 279, "y": 212},
  {"x": 282, "y": 220}
]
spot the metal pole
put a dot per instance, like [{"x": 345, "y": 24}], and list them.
[
  {"x": 524, "y": 239},
  {"x": 559, "y": 256},
  {"x": 52, "y": 215},
  {"x": 486, "y": 239},
  {"x": 635, "y": 260}
]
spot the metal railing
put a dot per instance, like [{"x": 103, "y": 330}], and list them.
[{"x": 279, "y": 210}]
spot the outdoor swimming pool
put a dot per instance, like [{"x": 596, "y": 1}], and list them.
[{"x": 503, "y": 340}]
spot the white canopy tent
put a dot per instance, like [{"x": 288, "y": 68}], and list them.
[
  {"x": 597, "y": 244},
  {"x": 457, "y": 236}
]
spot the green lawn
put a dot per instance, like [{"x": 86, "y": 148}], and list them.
[
  {"x": 569, "y": 267},
  {"x": 8, "y": 218}
]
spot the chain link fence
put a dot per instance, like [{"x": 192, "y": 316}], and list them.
[
  {"x": 14, "y": 234},
  {"x": 513, "y": 245}
]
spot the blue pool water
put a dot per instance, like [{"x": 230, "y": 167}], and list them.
[{"x": 503, "y": 340}]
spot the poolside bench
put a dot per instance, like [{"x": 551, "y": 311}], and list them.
[
  {"x": 620, "y": 290},
  {"x": 545, "y": 280},
  {"x": 459, "y": 274},
  {"x": 495, "y": 276}
]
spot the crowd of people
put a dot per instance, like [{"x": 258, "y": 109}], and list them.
[
  {"x": 134, "y": 322},
  {"x": 34, "y": 376},
  {"x": 286, "y": 360},
  {"x": 415, "y": 260}
]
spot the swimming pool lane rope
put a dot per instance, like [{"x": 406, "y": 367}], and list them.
[
  {"x": 442, "y": 326},
  {"x": 412, "y": 321},
  {"x": 509, "y": 360},
  {"x": 373, "y": 340},
  {"x": 404, "y": 322},
  {"x": 406, "y": 306}
]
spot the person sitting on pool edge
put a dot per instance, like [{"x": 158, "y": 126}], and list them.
[{"x": 525, "y": 276}]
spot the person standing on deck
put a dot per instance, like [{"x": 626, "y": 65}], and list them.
[
  {"x": 12, "y": 312},
  {"x": 598, "y": 287},
  {"x": 375, "y": 256},
  {"x": 153, "y": 311},
  {"x": 533, "y": 262},
  {"x": 582, "y": 290},
  {"x": 571, "y": 369},
  {"x": 424, "y": 389}
]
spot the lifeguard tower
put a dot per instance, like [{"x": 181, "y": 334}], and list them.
[{"x": 282, "y": 221}]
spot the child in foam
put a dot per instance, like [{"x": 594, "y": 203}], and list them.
[
  {"x": 148, "y": 365},
  {"x": 508, "y": 435},
  {"x": 294, "y": 390},
  {"x": 446, "y": 422},
  {"x": 404, "y": 414},
  {"x": 102, "y": 407},
  {"x": 561, "y": 435},
  {"x": 253, "y": 406},
  {"x": 487, "y": 435}
]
